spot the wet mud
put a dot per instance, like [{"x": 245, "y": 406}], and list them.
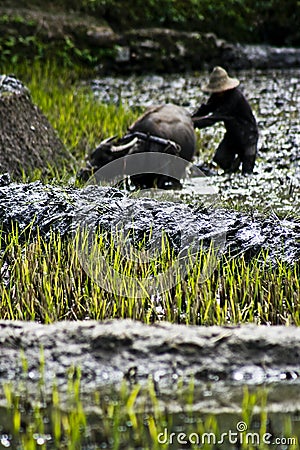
[
  {"x": 50, "y": 208},
  {"x": 275, "y": 98},
  {"x": 259, "y": 212},
  {"x": 27, "y": 140}
]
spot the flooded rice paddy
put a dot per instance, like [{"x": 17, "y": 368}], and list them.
[
  {"x": 254, "y": 381},
  {"x": 275, "y": 99}
]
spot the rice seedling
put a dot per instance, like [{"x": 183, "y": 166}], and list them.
[{"x": 44, "y": 280}]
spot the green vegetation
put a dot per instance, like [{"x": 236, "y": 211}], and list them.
[
  {"x": 44, "y": 281},
  {"x": 235, "y": 20},
  {"x": 271, "y": 22}
]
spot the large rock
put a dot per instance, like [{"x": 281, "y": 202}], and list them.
[{"x": 27, "y": 140}]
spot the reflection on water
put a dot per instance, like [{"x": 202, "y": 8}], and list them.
[{"x": 215, "y": 415}]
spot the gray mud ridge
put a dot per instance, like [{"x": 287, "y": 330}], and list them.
[
  {"x": 64, "y": 209},
  {"x": 112, "y": 351}
]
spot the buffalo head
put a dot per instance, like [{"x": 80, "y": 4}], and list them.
[{"x": 164, "y": 129}]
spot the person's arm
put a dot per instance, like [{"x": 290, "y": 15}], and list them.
[
  {"x": 203, "y": 110},
  {"x": 208, "y": 114},
  {"x": 211, "y": 119}
]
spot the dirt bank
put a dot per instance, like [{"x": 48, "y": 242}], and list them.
[{"x": 27, "y": 140}]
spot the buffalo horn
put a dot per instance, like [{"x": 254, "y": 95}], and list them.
[
  {"x": 107, "y": 140},
  {"x": 121, "y": 148}
]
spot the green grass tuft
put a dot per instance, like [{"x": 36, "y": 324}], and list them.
[{"x": 45, "y": 281}]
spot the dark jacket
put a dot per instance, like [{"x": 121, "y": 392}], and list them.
[{"x": 232, "y": 108}]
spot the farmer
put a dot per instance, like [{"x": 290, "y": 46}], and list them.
[{"x": 227, "y": 104}]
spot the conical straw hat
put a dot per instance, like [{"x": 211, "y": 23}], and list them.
[{"x": 219, "y": 81}]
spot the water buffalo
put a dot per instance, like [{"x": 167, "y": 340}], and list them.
[{"x": 165, "y": 129}]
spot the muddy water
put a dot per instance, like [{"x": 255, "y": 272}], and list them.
[
  {"x": 275, "y": 99},
  {"x": 273, "y": 190},
  {"x": 196, "y": 371}
]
